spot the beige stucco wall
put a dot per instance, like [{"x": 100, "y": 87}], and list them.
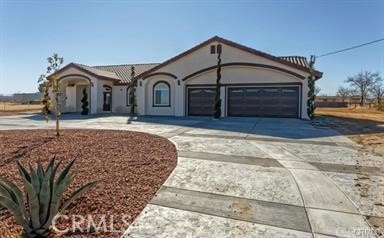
[
  {"x": 201, "y": 59},
  {"x": 150, "y": 109},
  {"x": 119, "y": 99},
  {"x": 71, "y": 96}
]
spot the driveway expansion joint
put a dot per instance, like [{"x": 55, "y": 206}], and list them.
[
  {"x": 249, "y": 160},
  {"x": 261, "y": 212}
]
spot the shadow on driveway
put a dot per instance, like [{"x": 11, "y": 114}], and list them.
[{"x": 269, "y": 127}]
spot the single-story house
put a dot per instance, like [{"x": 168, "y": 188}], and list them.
[{"x": 253, "y": 83}]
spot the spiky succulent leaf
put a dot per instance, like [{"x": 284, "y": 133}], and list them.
[
  {"x": 40, "y": 171},
  {"x": 51, "y": 164},
  {"x": 65, "y": 172},
  {"x": 18, "y": 193},
  {"x": 23, "y": 172},
  {"x": 58, "y": 192},
  {"x": 32, "y": 197},
  {"x": 4, "y": 191},
  {"x": 77, "y": 194},
  {"x": 45, "y": 196},
  {"x": 16, "y": 211},
  {"x": 34, "y": 179}
]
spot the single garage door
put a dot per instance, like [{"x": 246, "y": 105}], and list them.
[
  {"x": 201, "y": 101},
  {"x": 263, "y": 101}
]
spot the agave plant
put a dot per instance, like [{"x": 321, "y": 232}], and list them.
[{"x": 43, "y": 196}]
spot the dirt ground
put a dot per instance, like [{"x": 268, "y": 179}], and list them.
[
  {"x": 365, "y": 126},
  {"x": 130, "y": 168},
  {"x": 8, "y": 108},
  {"x": 362, "y": 125}
]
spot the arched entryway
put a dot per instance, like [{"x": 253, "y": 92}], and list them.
[{"x": 73, "y": 90}]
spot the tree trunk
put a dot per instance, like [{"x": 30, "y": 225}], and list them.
[
  {"x": 57, "y": 113},
  {"x": 362, "y": 100}
]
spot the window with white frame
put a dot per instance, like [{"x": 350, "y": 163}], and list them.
[{"x": 161, "y": 94}]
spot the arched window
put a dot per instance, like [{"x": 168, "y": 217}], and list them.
[{"x": 161, "y": 94}]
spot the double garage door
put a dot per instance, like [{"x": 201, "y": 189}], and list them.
[{"x": 247, "y": 101}]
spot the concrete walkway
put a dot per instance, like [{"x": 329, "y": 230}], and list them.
[{"x": 248, "y": 177}]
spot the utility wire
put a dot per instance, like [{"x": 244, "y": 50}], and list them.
[{"x": 350, "y": 48}]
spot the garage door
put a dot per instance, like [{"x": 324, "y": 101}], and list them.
[
  {"x": 263, "y": 101},
  {"x": 201, "y": 101}
]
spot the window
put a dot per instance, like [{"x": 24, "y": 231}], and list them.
[
  {"x": 213, "y": 49},
  {"x": 161, "y": 95}
]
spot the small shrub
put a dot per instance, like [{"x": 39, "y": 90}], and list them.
[
  {"x": 43, "y": 196},
  {"x": 84, "y": 103}
]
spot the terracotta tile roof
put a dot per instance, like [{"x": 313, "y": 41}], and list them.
[
  {"x": 98, "y": 72},
  {"x": 124, "y": 71},
  {"x": 299, "y": 60},
  {"x": 121, "y": 74}
]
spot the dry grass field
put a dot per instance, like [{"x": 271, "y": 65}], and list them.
[
  {"x": 362, "y": 125},
  {"x": 365, "y": 126},
  {"x": 8, "y": 108}
]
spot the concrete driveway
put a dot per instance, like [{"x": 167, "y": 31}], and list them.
[{"x": 249, "y": 177}]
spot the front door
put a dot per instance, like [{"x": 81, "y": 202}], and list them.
[{"x": 107, "y": 98}]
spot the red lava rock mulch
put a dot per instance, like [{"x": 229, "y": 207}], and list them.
[{"x": 130, "y": 165}]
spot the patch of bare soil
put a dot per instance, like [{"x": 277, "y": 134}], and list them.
[
  {"x": 130, "y": 166},
  {"x": 365, "y": 126}
]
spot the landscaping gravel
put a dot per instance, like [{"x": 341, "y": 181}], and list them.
[{"x": 130, "y": 166}]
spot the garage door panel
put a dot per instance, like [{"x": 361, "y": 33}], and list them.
[
  {"x": 201, "y": 101},
  {"x": 263, "y": 101}
]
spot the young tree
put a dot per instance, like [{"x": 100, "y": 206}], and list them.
[
  {"x": 217, "y": 108},
  {"x": 84, "y": 103},
  {"x": 363, "y": 83},
  {"x": 51, "y": 83},
  {"x": 312, "y": 90},
  {"x": 132, "y": 92},
  {"x": 344, "y": 93}
]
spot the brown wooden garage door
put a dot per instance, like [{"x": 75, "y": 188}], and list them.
[
  {"x": 263, "y": 101},
  {"x": 201, "y": 101}
]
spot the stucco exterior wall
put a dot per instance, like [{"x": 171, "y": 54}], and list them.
[
  {"x": 119, "y": 99},
  {"x": 150, "y": 108},
  {"x": 70, "y": 97},
  {"x": 200, "y": 59}
]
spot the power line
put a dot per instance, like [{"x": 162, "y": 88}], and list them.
[{"x": 350, "y": 48}]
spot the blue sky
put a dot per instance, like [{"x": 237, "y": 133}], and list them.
[{"x": 118, "y": 32}]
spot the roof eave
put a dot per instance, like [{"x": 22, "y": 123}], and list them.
[
  {"x": 230, "y": 43},
  {"x": 83, "y": 70}
]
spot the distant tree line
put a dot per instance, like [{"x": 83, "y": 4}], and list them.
[{"x": 365, "y": 85}]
